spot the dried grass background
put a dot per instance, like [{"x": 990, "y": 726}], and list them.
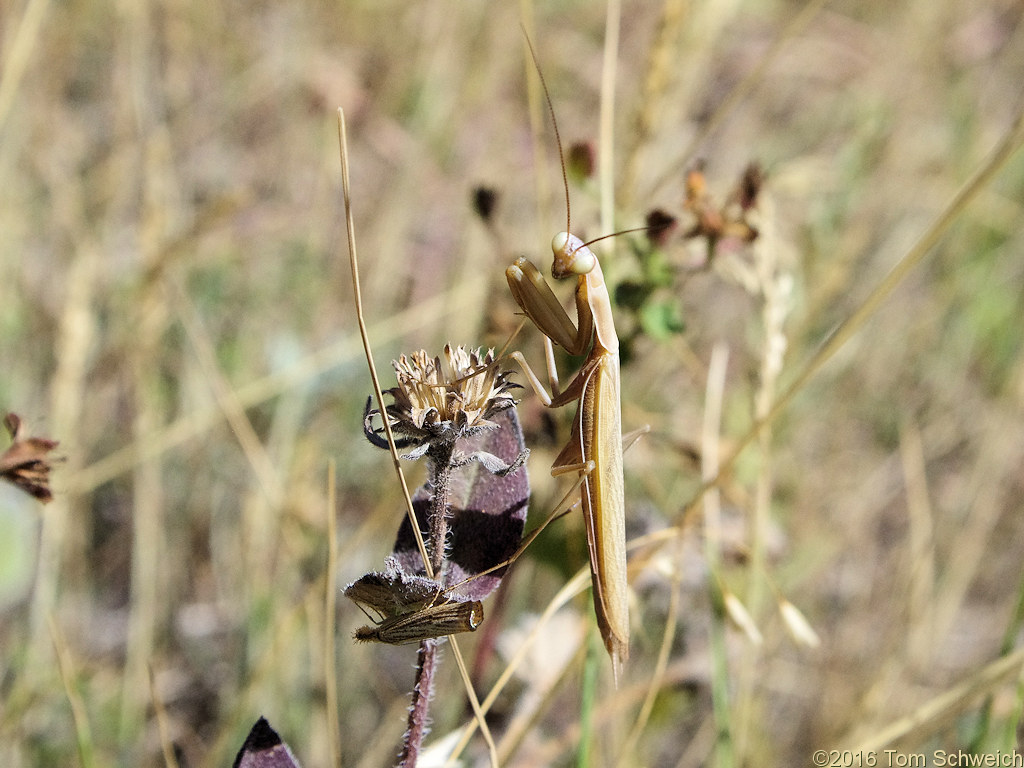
[{"x": 176, "y": 310}]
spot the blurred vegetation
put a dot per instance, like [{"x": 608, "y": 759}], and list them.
[{"x": 176, "y": 310}]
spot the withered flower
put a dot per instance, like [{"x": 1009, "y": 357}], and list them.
[
  {"x": 459, "y": 413},
  {"x": 715, "y": 223},
  {"x": 394, "y": 592},
  {"x": 25, "y": 462},
  {"x": 660, "y": 226},
  {"x": 443, "y": 400}
]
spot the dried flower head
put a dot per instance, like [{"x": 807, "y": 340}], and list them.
[
  {"x": 25, "y": 462},
  {"x": 735, "y": 221},
  {"x": 445, "y": 399},
  {"x": 463, "y": 524}
]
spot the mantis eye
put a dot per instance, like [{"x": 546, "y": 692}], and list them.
[
  {"x": 571, "y": 255},
  {"x": 560, "y": 243}
]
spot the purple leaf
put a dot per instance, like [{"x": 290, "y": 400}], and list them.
[
  {"x": 263, "y": 748},
  {"x": 488, "y": 512}
]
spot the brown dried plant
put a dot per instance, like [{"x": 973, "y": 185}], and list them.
[{"x": 26, "y": 462}]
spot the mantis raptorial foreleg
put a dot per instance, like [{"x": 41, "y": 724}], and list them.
[{"x": 533, "y": 294}]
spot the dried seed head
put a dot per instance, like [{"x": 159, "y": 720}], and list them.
[
  {"x": 450, "y": 398},
  {"x": 799, "y": 628},
  {"x": 742, "y": 618}
]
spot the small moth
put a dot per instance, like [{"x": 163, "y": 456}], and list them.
[{"x": 447, "y": 618}]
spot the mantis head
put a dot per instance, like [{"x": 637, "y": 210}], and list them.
[{"x": 572, "y": 257}]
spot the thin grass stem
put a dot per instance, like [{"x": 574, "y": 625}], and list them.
[
  {"x": 474, "y": 702},
  {"x": 83, "y": 731},
  {"x": 714, "y": 395},
  {"x": 743, "y": 88},
  {"x": 360, "y": 319},
  {"x": 330, "y": 639},
  {"x": 1007, "y": 147},
  {"x": 606, "y": 145},
  {"x": 160, "y": 711}
]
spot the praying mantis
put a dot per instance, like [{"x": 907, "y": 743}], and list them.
[
  {"x": 595, "y": 443},
  {"x": 594, "y": 450}
]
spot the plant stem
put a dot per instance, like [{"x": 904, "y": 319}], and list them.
[
  {"x": 419, "y": 709},
  {"x": 437, "y": 519},
  {"x": 426, "y": 660}
]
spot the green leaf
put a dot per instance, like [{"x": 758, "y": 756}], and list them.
[{"x": 662, "y": 320}]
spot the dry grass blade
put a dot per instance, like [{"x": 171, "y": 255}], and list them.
[
  {"x": 740, "y": 92},
  {"x": 426, "y": 559},
  {"x": 724, "y": 746},
  {"x": 606, "y": 153},
  {"x": 1012, "y": 141},
  {"x": 938, "y": 711},
  {"x": 25, "y": 40},
  {"x": 481, "y": 719},
  {"x": 357, "y": 291},
  {"x": 572, "y": 588},
  {"x": 83, "y": 731},
  {"x": 330, "y": 643},
  {"x": 166, "y": 744}
]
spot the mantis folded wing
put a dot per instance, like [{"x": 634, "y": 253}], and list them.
[{"x": 597, "y": 432}]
